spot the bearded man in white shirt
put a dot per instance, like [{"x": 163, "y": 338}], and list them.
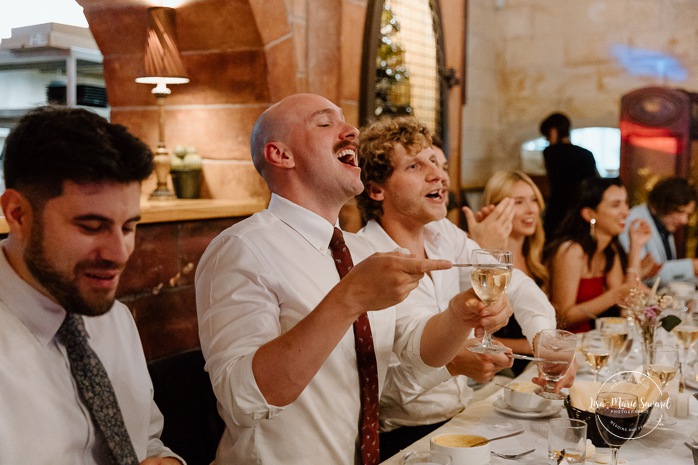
[
  {"x": 72, "y": 204},
  {"x": 404, "y": 205},
  {"x": 275, "y": 319}
]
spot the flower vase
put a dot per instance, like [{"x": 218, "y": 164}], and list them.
[{"x": 648, "y": 331}]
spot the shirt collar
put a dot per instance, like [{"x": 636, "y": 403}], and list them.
[
  {"x": 660, "y": 226},
  {"x": 432, "y": 233},
  {"x": 312, "y": 227},
  {"x": 376, "y": 234},
  {"x": 41, "y": 315}
]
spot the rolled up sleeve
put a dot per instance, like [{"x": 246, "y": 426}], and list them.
[{"x": 237, "y": 314}]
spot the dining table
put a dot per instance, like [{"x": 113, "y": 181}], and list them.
[{"x": 490, "y": 417}]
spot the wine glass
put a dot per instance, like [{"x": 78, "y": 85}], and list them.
[
  {"x": 617, "y": 329},
  {"x": 617, "y": 416},
  {"x": 556, "y": 347},
  {"x": 664, "y": 362},
  {"x": 490, "y": 276},
  {"x": 686, "y": 337},
  {"x": 596, "y": 349}
]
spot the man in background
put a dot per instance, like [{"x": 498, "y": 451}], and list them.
[
  {"x": 669, "y": 206},
  {"x": 75, "y": 385},
  {"x": 567, "y": 165}
]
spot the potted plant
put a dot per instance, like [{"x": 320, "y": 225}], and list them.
[{"x": 185, "y": 169}]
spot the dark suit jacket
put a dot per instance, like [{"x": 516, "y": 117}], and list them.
[{"x": 567, "y": 166}]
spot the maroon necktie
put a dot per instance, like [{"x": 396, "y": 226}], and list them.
[{"x": 365, "y": 360}]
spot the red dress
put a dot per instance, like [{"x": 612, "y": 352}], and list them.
[{"x": 588, "y": 289}]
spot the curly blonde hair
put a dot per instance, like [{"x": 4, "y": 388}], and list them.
[
  {"x": 376, "y": 144},
  {"x": 500, "y": 186}
]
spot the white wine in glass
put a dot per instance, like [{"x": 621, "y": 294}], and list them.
[
  {"x": 686, "y": 337},
  {"x": 596, "y": 349},
  {"x": 617, "y": 330},
  {"x": 664, "y": 363},
  {"x": 490, "y": 276}
]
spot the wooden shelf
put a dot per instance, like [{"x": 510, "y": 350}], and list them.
[{"x": 186, "y": 210}]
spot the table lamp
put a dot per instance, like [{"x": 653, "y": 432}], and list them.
[{"x": 162, "y": 65}]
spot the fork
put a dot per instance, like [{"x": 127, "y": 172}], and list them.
[{"x": 512, "y": 456}]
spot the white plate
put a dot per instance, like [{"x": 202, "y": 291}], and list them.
[
  {"x": 691, "y": 382},
  {"x": 501, "y": 407}
]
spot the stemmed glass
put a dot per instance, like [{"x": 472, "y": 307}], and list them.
[
  {"x": 664, "y": 362},
  {"x": 686, "y": 336},
  {"x": 490, "y": 276},
  {"x": 557, "y": 348},
  {"x": 617, "y": 329},
  {"x": 596, "y": 349},
  {"x": 617, "y": 416}
]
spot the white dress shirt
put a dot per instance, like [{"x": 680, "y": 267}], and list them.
[
  {"x": 672, "y": 270},
  {"x": 42, "y": 419},
  {"x": 402, "y": 402},
  {"x": 255, "y": 281}
]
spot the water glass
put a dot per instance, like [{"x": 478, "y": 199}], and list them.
[
  {"x": 555, "y": 348},
  {"x": 567, "y": 441}
]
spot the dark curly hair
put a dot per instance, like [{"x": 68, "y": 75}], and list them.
[
  {"x": 376, "y": 143},
  {"x": 670, "y": 194}
]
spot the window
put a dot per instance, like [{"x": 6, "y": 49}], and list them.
[
  {"x": 604, "y": 143},
  {"x": 403, "y": 56}
]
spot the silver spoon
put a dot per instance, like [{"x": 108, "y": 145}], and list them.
[
  {"x": 512, "y": 456},
  {"x": 485, "y": 441}
]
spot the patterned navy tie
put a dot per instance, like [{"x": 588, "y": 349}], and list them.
[
  {"x": 365, "y": 360},
  {"x": 96, "y": 390}
]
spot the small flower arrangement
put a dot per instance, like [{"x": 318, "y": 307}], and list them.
[
  {"x": 651, "y": 310},
  {"x": 648, "y": 309}
]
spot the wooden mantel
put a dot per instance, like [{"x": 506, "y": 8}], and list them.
[{"x": 186, "y": 210}]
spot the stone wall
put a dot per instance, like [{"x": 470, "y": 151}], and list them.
[
  {"x": 528, "y": 58},
  {"x": 242, "y": 56}
]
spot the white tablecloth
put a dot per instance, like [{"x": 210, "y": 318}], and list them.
[{"x": 664, "y": 446}]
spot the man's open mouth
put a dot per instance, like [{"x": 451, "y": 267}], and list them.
[
  {"x": 436, "y": 194},
  {"x": 347, "y": 156}
]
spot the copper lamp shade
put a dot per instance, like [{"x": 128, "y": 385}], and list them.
[
  {"x": 162, "y": 62},
  {"x": 162, "y": 65}
]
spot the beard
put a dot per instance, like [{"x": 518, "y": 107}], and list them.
[{"x": 62, "y": 288}]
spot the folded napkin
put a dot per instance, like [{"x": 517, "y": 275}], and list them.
[
  {"x": 647, "y": 392},
  {"x": 583, "y": 394}
]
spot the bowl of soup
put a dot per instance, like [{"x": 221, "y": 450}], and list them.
[
  {"x": 464, "y": 449},
  {"x": 522, "y": 398}
]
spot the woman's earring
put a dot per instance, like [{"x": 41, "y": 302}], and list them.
[{"x": 592, "y": 228}]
